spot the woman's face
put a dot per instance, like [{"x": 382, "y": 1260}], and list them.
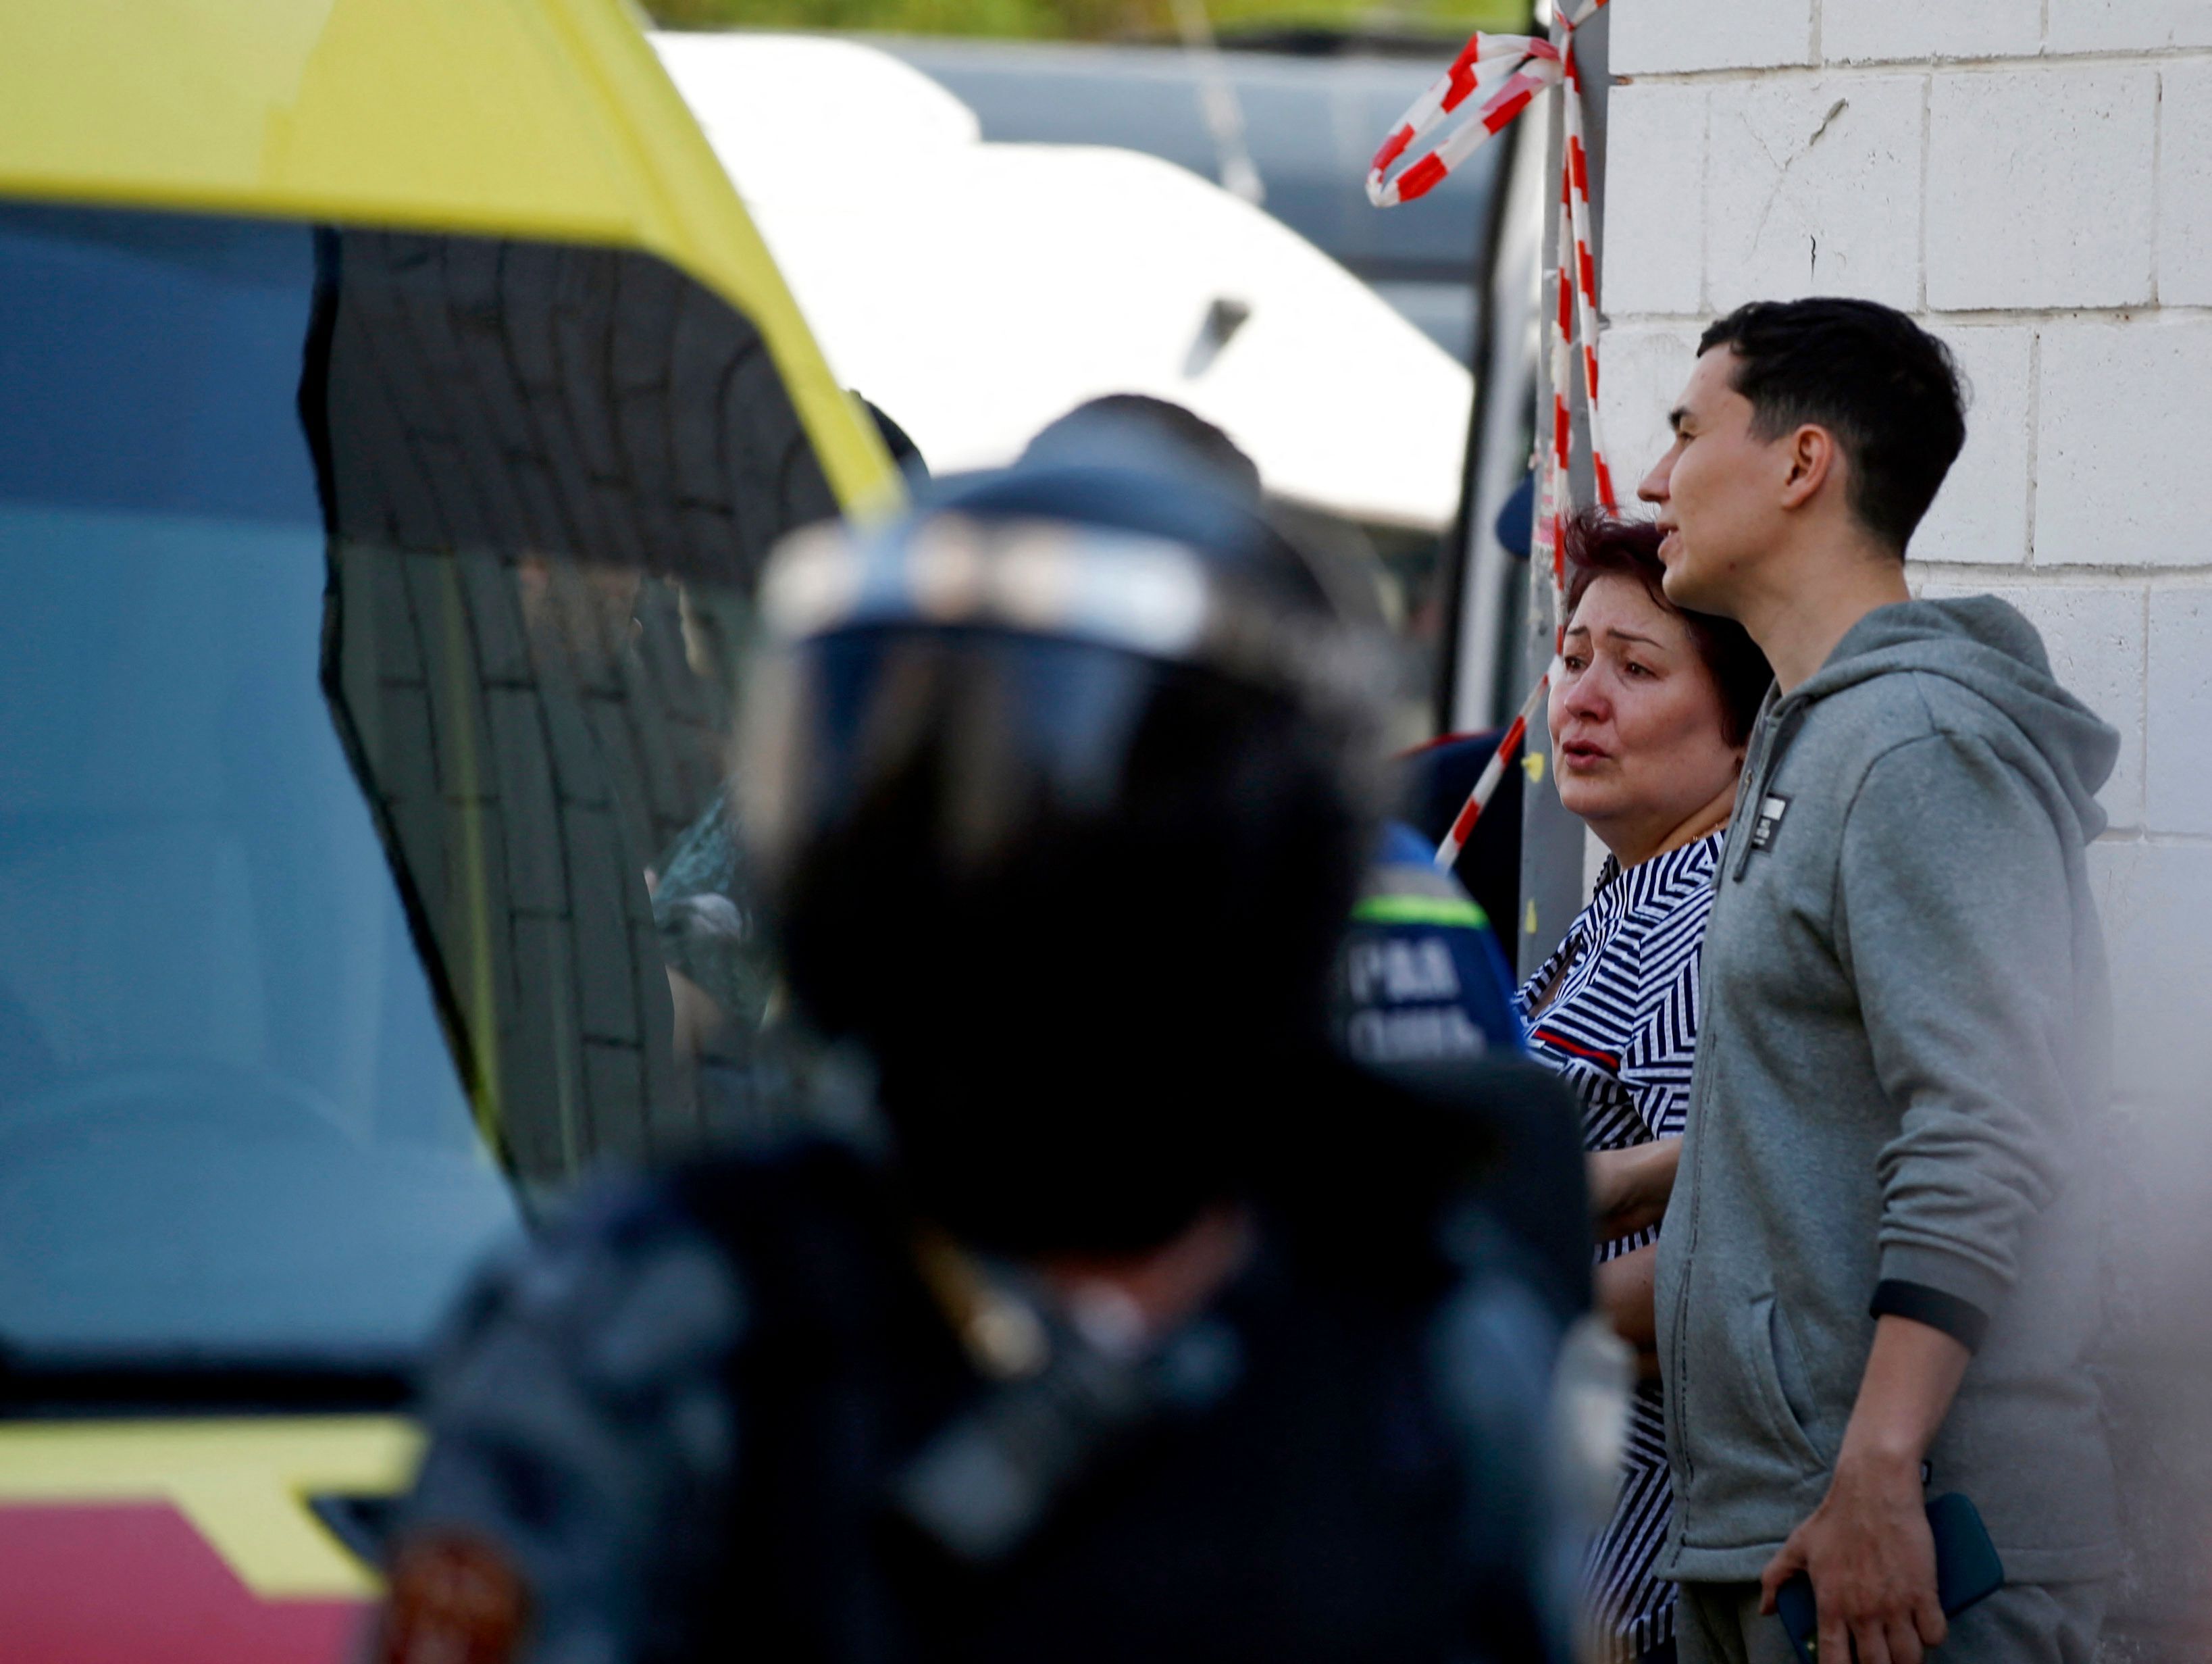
[{"x": 1636, "y": 722}]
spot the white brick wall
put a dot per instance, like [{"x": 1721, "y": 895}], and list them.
[
  {"x": 2155, "y": 896},
  {"x": 2033, "y": 180},
  {"x": 2178, "y": 772},
  {"x": 1981, "y": 512},
  {"x": 1641, "y": 375},
  {"x": 1657, "y": 141},
  {"x": 2093, "y": 26},
  {"x": 2041, "y": 187},
  {"x": 1814, "y": 188},
  {"x": 2185, "y": 157},
  {"x": 1870, "y": 31},
  {"x": 2124, "y": 432},
  {"x": 1669, "y": 35}
]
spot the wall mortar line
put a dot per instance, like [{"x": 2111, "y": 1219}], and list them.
[
  {"x": 2142, "y": 57},
  {"x": 2157, "y": 180},
  {"x": 2034, "y": 433},
  {"x": 1927, "y": 144}
]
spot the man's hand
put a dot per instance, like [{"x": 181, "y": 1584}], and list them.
[
  {"x": 1867, "y": 1548},
  {"x": 1873, "y": 1565}
]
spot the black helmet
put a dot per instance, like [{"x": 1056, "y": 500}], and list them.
[{"x": 1061, "y": 785}]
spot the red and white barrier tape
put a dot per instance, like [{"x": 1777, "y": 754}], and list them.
[
  {"x": 1509, "y": 70},
  {"x": 1485, "y": 785},
  {"x": 1513, "y": 68}
]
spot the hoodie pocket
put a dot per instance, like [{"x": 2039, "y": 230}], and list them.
[
  {"x": 1794, "y": 1383},
  {"x": 1761, "y": 1350}
]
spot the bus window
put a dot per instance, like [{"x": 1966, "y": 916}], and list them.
[{"x": 375, "y": 605}]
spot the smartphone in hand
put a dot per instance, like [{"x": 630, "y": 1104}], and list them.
[{"x": 1967, "y": 1569}]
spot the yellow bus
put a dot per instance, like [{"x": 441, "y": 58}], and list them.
[{"x": 395, "y": 406}]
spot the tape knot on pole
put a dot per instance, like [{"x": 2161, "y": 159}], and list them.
[{"x": 1509, "y": 69}]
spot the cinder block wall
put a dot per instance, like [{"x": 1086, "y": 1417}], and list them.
[{"x": 2033, "y": 179}]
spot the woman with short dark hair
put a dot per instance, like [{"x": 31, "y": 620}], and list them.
[{"x": 1650, "y": 710}]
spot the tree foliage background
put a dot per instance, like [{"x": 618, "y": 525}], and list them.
[{"x": 1088, "y": 20}]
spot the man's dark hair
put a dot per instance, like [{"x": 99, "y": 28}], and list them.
[
  {"x": 1889, "y": 392},
  {"x": 1598, "y": 542}
]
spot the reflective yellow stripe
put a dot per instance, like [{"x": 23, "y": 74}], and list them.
[
  {"x": 1458, "y": 911},
  {"x": 244, "y": 1484}
]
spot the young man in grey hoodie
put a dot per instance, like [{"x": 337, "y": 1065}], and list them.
[{"x": 1877, "y": 1277}]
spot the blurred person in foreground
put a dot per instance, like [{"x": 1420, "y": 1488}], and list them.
[
  {"x": 1650, "y": 709},
  {"x": 1421, "y": 976},
  {"x": 1879, "y": 1276},
  {"x": 1146, "y": 1329}
]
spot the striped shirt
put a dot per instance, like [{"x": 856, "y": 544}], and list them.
[{"x": 1620, "y": 1025}]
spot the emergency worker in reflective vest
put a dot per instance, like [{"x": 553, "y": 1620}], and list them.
[{"x": 1144, "y": 1325}]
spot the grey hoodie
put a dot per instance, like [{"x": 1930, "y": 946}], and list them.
[{"x": 1904, "y": 1040}]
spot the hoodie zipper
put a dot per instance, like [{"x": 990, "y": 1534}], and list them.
[{"x": 1773, "y": 741}]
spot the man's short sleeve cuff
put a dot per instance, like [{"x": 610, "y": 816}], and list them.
[{"x": 1964, "y": 1321}]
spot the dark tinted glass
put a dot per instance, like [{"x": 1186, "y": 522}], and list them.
[
  {"x": 367, "y": 611},
  {"x": 150, "y": 363}
]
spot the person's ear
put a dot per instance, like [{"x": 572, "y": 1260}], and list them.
[{"x": 1811, "y": 456}]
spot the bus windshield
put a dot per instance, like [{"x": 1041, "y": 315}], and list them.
[
  {"x": 228, "y": 1121},
  {"x": 370, "y": 607}
]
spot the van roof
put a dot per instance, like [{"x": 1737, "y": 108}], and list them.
[{"x": 549, "y": 119}]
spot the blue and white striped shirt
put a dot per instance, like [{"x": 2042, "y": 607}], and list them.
[{"x": 1621, "y": 1025}]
